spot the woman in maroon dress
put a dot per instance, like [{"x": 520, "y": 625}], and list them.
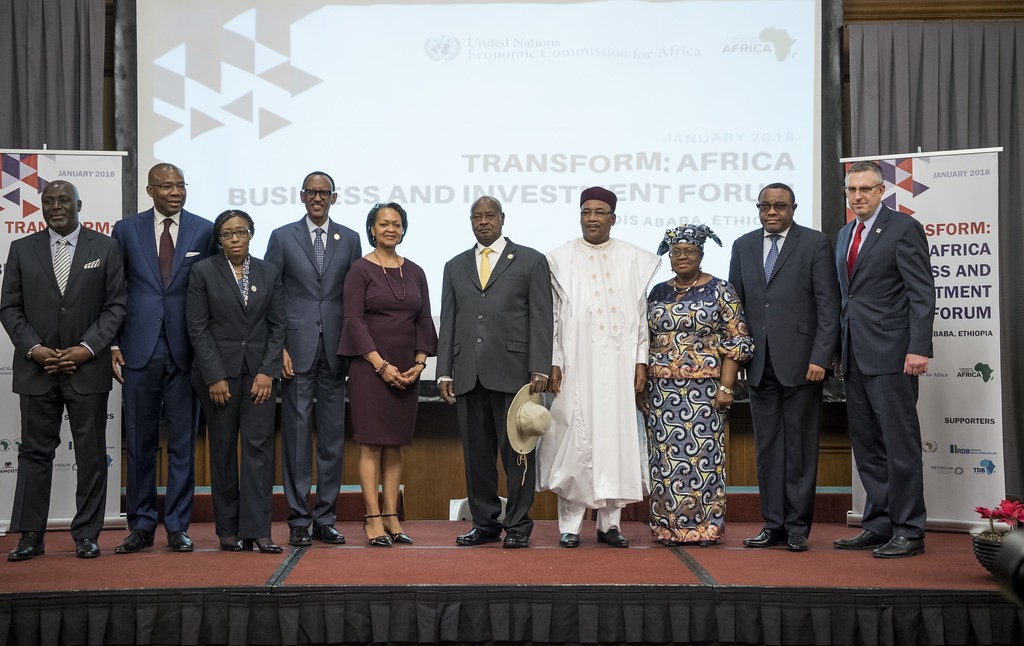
[{"x": 389, "y": 333}]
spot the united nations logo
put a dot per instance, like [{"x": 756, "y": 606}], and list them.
[
  {"x": 441, "y": 48},
  {"x": 929, "y": 446}
]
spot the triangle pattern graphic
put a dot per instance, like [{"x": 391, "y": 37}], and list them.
[
  {"x": 271, "y": 123},
  {"x": 202, "y": 122},
  {"x": 241, "y": 107},
  {"x": 27, "y": 209},
  {"x": 14, "y": 197},
  {"x": 919, "y": 188}
]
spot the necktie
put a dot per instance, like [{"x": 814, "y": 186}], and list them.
[
  {"x": 773, "y": 255},
  {"x": 166, "y": 256},
  {"x": 854, "y": 248},
  {"x": 62, "y": 264},
  {"x": 485, "y": 266},
  {"x": 318, "y": 250}
]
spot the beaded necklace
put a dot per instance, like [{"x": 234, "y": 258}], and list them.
[{"x": 401, "y": 275}]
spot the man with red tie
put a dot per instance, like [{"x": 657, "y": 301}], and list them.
[{"x": 888, "y": 304}]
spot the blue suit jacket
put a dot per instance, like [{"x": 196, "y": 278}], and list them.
[
  {"x": 150, "y": 304},
  {"x": 312, "y": 301},
  {"x": 888, "y": 304}
]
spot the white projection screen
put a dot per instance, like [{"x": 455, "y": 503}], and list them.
[{"x": 685, "y": 109}]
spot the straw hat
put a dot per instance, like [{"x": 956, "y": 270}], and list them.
[{"x": 528, "y": 419}]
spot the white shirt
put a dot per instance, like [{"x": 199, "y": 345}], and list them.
[
  {"x": 768, "y": 243},
  {"x": 158, "y": 225}
]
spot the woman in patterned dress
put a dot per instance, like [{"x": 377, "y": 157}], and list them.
[{"x": 698, "y": 339}]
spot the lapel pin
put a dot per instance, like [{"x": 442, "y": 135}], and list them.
[
  {"x": 879, "y": 230},
  {"x": 337, "y": 236},
  {"x": 511, "y": 256},
  {"x": 253, "y": 288}
]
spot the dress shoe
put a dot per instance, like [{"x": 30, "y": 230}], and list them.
[
  {"x": 30, "y": 546},
  {"x": 476, "y": 537},
  {"x": 767, "y": 538},
  {"x": 264, "y": 545},
  {"x": 86, "y": 548},
  {"x": 134, "y": 542},
  {"x": 299, "y": 537},
  {"x": 397, "y": 537},
  {"x": 231, "y": 544},
  {"x": 515, "y": 539},
  {"x": 376, "y": 541},
  {"x": 613, "y": 537},
  {"x": 328, "y": 534},
  {"x": 866, "y": 540},
  {"x": 900, "y": 547},
  {"x": 569, "y": 540},
  {"x": 796, "y": 543},
  {"x": 180, "y": 542}
]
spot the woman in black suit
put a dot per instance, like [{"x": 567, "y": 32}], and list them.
[{"x": 235, "y": 311}]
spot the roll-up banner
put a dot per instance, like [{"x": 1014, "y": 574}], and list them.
[
  {"x": 954, "y": 194},
  {"x": 24, "y": 175}
]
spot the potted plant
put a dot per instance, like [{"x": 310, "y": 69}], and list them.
[{"x": 987, "y": 543}]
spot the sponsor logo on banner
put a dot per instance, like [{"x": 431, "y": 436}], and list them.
[
  {"x": 442, "y": 48},
  {"x": 988, "y": 467},
  {"x": 929, "y": 446},
  {"x": 963, "y": 450},
  {"x": 980, "y": 371},
  {"x": 946, "y": 470},
  {"x": 771, "y": 41}
]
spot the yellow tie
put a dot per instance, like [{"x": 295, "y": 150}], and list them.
[{"x": 485, "y": 266}]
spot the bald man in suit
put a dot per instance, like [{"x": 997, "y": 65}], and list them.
[
  {"x": 62, "y": 303},
  {"x": 782, "y": 273}
]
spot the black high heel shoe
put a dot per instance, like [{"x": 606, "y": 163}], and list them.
[
  {"x": 264, "y": 545},
  {"x": 231, "y": 544},
  {"x": 397, "y": 537},
  {"x": 377, "y": 541}
]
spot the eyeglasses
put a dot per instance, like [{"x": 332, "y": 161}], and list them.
[
  {"x": 863, "y": 190},
  {"x": 166, "y": 186},
  {"x": 764, "y": 207},
  {"x": 310, "y": 193},
  {"x": 692, "y": 252},
  {"x": 240, "y": 233},
  {"x": 585, "y": 213}
]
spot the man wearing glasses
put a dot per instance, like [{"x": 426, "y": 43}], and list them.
[
  {"x": 314, "y": 255},
  {"x": 591, "y": 456},
  {"x": 152, "y": 357},
  {"x": 783, "y": 274},
  {"x": 888, "y": 304}
]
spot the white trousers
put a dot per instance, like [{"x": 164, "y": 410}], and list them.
[{"x": 570, "y": 516}]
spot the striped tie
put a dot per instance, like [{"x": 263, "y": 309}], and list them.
[{"x": 62, "y": 264}]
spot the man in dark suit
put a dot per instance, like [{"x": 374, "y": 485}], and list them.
[
  {"x": 888, "y": 305},
  {"x": 314, "y": 255},
  {"x": 152, "y": 357},
  {"x": 62, "y": 303},
  {"x": 496, "y": 328},
  {"x": 782, "y": 274}
]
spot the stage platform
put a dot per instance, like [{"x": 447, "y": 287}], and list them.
[{"x": 436, "y": 592}]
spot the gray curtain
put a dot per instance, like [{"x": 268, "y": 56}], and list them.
[
  {"x": 51, "y": 74},
  {"x": 950, "y": 86}
]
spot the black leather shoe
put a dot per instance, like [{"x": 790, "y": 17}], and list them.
[
  {"x": 30, "y": 546},
  {"x": 87, "y": 548},
  {"x": 265, "y": 545},
  {"x": 569, "y": 540},
  {"x": 328, "y": 534},
  {"x": 134, "y": 542},
  {"x": 613, "y": 537},
  {"x": 796, "y": 543},
  {"x": 900, "y": 547},
  {"x": 767, "y": 538},
  {"x": 514, "y": 539},
  {"x": 180, "y": 542},
  {"x": 397, "y": 537},
  {"x": 299, "y": 537},
  {"x": 231, "y": 544},
  {"x": 866, "y": 540},
  {"x": 476, "y": 536}
]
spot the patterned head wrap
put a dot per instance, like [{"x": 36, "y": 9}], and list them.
[{"x": 694, "y": 234}]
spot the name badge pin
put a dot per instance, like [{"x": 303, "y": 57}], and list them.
[{"x": 337, "y": 236}]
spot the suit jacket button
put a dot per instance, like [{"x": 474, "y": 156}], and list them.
[
  {"x": 479, "y": 317},
  {"x": 482, "y": 294},
  {"x": 479, "y": 340}
]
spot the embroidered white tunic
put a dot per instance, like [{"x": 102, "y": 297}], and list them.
[{"x": 591, "y": 454}]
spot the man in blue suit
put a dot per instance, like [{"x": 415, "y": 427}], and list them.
[
  {"x": 888, "y": 305},
  {"x": 314, "y": 255},
  {"x": 153, "y": 357}
]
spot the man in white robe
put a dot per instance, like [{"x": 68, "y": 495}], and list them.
[{"x": 590, "y": 457}]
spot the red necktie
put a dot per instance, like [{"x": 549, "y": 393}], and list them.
[
  {"x": 854, "y": 248},
  {"x": 166, "y": 252}
]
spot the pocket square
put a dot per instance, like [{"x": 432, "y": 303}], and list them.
[
  {"x": 91, "y": 264},
  {"x": 189, "y": 254}
]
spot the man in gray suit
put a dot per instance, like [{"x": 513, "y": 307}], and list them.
[
  {"x": 782, "y": 274},
  {"x": 496, "y": 327},
  {"x": 63, "y": 301},
  {"x": 314, "y": 255},
  {"x": 888, "y": 305}
]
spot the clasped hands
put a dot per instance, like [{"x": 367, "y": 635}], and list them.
[
  {"x": 60, "y": 362},
  {"x": 395, "y": 378}
]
